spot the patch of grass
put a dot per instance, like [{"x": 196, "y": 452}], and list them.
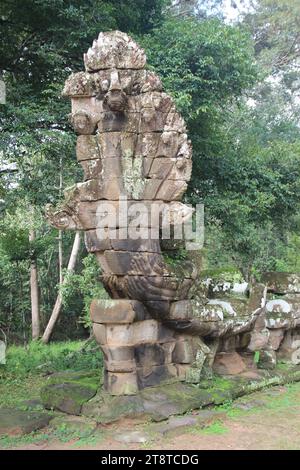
[
  {"x": 89, "y": 440},
  {"x": 229, "y": 409},
  {"x": 221, "y": 383},
  {"x": 228, "y": 274},
  {"x": 281, "y": 402},
  {"x": 63, "y": 433},
  {"x": 37, "y": 357},
  {"x": 7, "y": 442},
  {"x": 256, "y": 357},
  {"x": 14, "y": 390},
  {"x": 26, "y": 367},
  {"x": 217, "y": 428}
]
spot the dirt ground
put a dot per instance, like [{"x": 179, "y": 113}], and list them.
[{"x": 264, "y": 420}]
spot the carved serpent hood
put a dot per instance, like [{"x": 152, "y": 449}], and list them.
[{"x": 132, "y": 143}]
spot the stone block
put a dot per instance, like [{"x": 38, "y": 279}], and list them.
[
  {"x": 100, "y": 333},
  {"x": 148, "y": 245},
  {"x": 68, "y": 391},
  {"x": 182, "y": 370},
  {"x": 135, "y": 263},
  {"x": 87, "y": 148},
  {"x": 119, "y": 353},
  {"x": 154, "y": 288},
  {"x": 183, "y": 352},
  {"x": 110, "y": 121},
  {"x": 160, "y": 102},
  {"x": 111, "y": 311},
  {"x": 119, "y": 335},
  {"x": 97, "y": 189},
  {"x": 259, "y": 339},
  {"x": 94, "y": 243},
  {"x": 290, "y": 346},
  {"x": 149, "y": 355},
  {"x": 147, "y": 144},
  {"x": 146, "y": 331},
  {"x": 214, "y": 311},
  {"x": 136, "y": 216},
  {"x": 130, "y": 334},
  {"x": 267, "y": 360},
  {"x": 152, "y": 121},
  {"x": 79, "y": 84},
  {"x": 88, "y": 104},
  {"x": 116, "y": 144},
  {"x": 15, "y": 422},
  {"x": 171, "y": 190},
  {"x": 165, "y": 334},
  {"x": 181, "y": 309},
  {"x": 121, "y": 383},
  {"x": 169, "y": 144},
  {"x": 257, "y": 298},
  {"x": 165, "y": 190},
  {"x": 193, "y": 375},
  {"x": 130, "y": 81},
  {"x": 174, "y": 122},
  {"x": 159, "y": 309},
  {"x": 151, "y": 188},
  {"x": 103, "y": 168},
  {"x": 114, "y": 49},
  {"x": 229, "y": 364},
  {"x": 84, "y": 122},
  {"x": 168, "y": 348},
  {"x": 282, "y": 313},
  {"x": 282, "y": 283},
  {"x": 106, "y": 213},
  {"x": 170, "y": 168},
  {"x": 91, "y": 168},
  {"x": 230, "y": 344},
  {"x": 151, "y": 376},
  {"x": 275, "y": 338},
  {"x": 195, "y": 327},
  {"x": 149, "y": 81},
  {"x": 120, "y": 366}
]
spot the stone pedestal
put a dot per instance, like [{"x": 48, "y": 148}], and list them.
[{"x": 138, "y": 350}]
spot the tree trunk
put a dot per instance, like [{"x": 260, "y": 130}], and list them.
[
  {"x": 60, "y": 257},
  {"x": 60, "y": 247},
  {"x": 58, "y": 304},
  {"x": 34, "y": 293}
]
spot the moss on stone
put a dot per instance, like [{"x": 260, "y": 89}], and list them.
[{"x": 68, "y": 391}]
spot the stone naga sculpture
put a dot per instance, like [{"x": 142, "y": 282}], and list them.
[
  {"x": 136, "y": 157},
  {"x": 132, "y": 144}
]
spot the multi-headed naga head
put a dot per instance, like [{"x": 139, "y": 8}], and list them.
[{"x": 132, "y": 144}]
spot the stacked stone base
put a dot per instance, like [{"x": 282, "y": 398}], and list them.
[{"x": 138, "y": 351}]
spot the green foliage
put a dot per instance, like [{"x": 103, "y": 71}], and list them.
[
  {"x": 275, "y": 26},
  {"x": 202, "y": 64},
  {"x": 87, "y": 284},
  {"x": 217, "y": 428},
  {"x": 45, "y": 37},
  {"x": 256, "y": 357},
  {"x": 225, "y": 273},
  {"x": 37, "y": 357},
  {"x": 290, "y": 259}
]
